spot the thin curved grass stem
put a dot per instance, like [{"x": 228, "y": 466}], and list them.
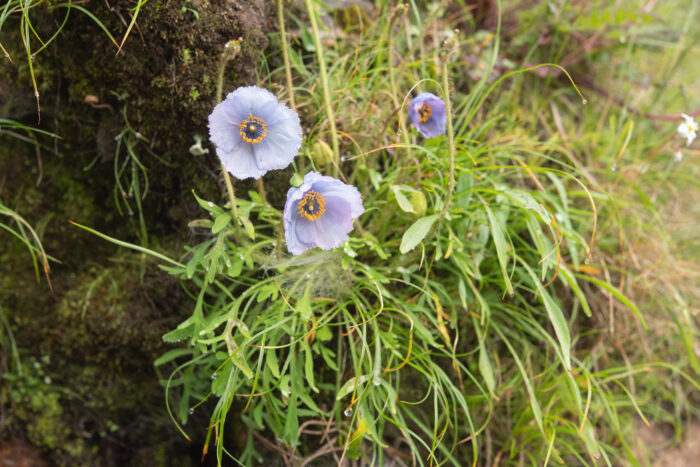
[{"x": 324, "y": 84}]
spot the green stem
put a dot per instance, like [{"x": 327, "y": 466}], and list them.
[
  {"x": 324, "y": 84},
  {"x": 231, "y": 196},
  {"x": 288, "y": 69},
  {"x": 231, "y": 50},
  {"x": 392, "y": 80},
  {"x": 450, "y": 139},
  {"x": 285, "y": 54}
]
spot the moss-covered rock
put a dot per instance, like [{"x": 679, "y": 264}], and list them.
[{"x": 94, "y": 398}]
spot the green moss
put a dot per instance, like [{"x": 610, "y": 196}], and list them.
[{"x": 38, "y": 406}]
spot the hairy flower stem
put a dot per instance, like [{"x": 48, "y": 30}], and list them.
[
  {"x": 324, "y": 85},
  {"x": 261, "y": 189},
  {"x": 399, "y": 11},
  {"x": 450, "y": 140},
  {"x": 231, "y": 50}
]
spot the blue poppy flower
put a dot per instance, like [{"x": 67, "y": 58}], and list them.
[
  {"x": 427, "y": 113},
  {"x": 319, "y": 213},
  {"x": 254, "y": 133}
]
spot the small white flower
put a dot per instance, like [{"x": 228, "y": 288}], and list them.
[
  {"x": 678, "y": 155},
  {"x": 688, "y": 129}
]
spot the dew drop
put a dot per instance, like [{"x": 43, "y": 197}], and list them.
[
  {"x": 584, "y": 101},
  {"x": 131, "y": 213},
  {"x": 587, "y": 261},
  {"x": 399, "y": 133},
  {"x": 377, "y": 381},
  {"x": 613, "y": 168},
  {"x": 596, "y": 455},
  {"x": 210, "y": 204},
  {"x": 190, "y": 411},
  {"x": 214, "y": 375},
  {"x": 202, "y": 332},
  {"x": 348, "y": 412}
]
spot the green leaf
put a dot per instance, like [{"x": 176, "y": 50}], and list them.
[
  {"x": 401, "y": 199},
  {"x": 208, "y": 205},
  {"x": 220, "y": 222},
  {"x": 180, "y": 333},
  {"x": 566, "y": 276},
  {"x": 309, "y": 366},
  {"x": 236, "y": 267},
  {"x": 240, "y": 362},
  {"x": 349, "y": 386},
  {"x": 304, "y": 304},
  {"x": 328, "y": 356},
  {"x": 248, "y": 227},
  {"x": 588, "y": 436},
  {"x": 536, "y": 409},
  {"x": 486, "y": 369},
  {"x": 324, "y": 334},
  {"x": 218, "y": 385},
  {"x": 556, "y": 317},
  {"x": 617, "y": 294},
  {"x": 272, "y": 363},
  {"x": 501, "y": 246},
  {"x": 171, "y": 355},
  {"x": 416, "y": 233}
]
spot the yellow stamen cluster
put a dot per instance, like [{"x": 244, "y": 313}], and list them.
[
  {"x": 424, "y": 112},
  {"x": 312, "y": 206},
  {"x": 253, "y": 129}
]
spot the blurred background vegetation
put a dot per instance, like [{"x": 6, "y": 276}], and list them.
[{"x": 124, "y": 89}]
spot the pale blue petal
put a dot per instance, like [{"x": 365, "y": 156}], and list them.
[
  {"x": 281, "y": 145},
  {"x": 223, "y": 125},
  {"x": 435, "y": 126},
  {"x": 249, "y": 99},
  {"x": 330, "y": 187},
  {"x": 240, "y": 162},
  {"x": 291, "y": 217},
  {"x": 331, "y": 229},
  {"x": 343, "y": 204},
  {"x": 294, "y": 245}
]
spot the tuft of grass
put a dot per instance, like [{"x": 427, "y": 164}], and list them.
[{"x": 490, "y": 304}]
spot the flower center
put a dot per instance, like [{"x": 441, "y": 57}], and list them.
[
  {"x": 424, "y": 112},
  {"x": 312, "y": 205},
  {"x": 253, "y": 129}
]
